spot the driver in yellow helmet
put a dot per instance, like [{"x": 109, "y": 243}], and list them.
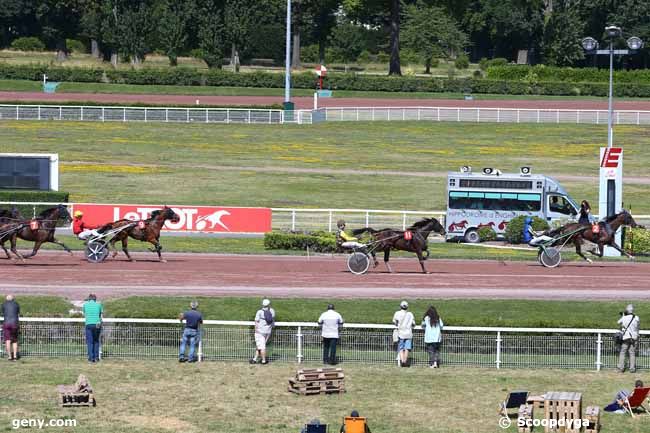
[
  {"x": 345, "y": 240},
  {"x": 80, "y": 228}
]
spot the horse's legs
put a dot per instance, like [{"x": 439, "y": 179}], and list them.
[
  {"x": 5, "y": 248},
  {"x": 125, "y": 245},
  {"x": 386, "y": 256},
  {"x": 374, "y": 258},
  {"x": 158, "y": 249},
  {"x": 14, "y": 249},
  {"x": 54, "y": 241},
  {"x": 621, "y": 250},
  {"x": 578, "y": 245},
  {"x": 37, "y": 246},
  {"x": 421, "y": 259}
]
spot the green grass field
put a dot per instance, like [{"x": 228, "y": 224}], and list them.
[
  {"x": 253, "y": 165},
  {"x": 160, "y": 396}
]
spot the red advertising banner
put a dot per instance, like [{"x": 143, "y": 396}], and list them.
[{"x": 207, "y": 219}]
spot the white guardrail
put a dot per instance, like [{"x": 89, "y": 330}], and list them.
[
  {"x": 329, "y": 114},
  {"x": 317, "y": 219},
  {"x": 496, "y": 347}
]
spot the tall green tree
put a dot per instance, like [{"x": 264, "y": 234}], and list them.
[
  {"x": 59, "y": 20},
  {"x": 17, "y": 18},
  {"x": 347, "y": 42},
  {"x": 322, "y": 20},
  {"x": 173, "y": 19},
  {"x": 91, "y": 24},
  {"x": 211, "y": 35},
  {"x": 430, "y": 32},
  {"x": 238, "y": 25},
  {"x": 562, "y": 36}
]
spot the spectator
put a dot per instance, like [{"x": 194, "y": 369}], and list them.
[
  {"x": 629, "y": 324},
  {"x": 330, "y": 321},
  {"x": 405, "y": 322},
  {"x": 264, "y": 321},
  {"x": 432, "y": 324},
  {"x": 192, "y": 333},
  {"x": 585, "y": 213},
  {"x": 617, "y": 405},
  {"x": 11, "y": 314},
  {"x": 355, "y": 414},
  {"x": 93, "y": 312}
]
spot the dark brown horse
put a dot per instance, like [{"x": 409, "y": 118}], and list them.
[
  {"x": 146, "y": 231},
  {"x": 40, "y": 229},
  {"x": 10, "y": 223},
  {"x": 413, "y": 239},
  {"x": 605, "y": 236}
]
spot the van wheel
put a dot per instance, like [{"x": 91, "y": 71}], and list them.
[{"x": 472, "y": 237}]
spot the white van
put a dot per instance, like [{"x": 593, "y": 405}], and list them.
[{"x": 492, "y": 199}]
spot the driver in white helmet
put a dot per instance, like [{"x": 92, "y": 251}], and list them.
[
  {"x": 81, "y": 229},
  {"x": 345, "y": 240}
]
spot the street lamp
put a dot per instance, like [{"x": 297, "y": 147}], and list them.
[{"x": 611, "y": 159}]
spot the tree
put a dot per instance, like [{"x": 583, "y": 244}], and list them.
[
  {"x": 59, "y": 20},
  {"x": 321, "y": 22},
  {"x": 173, "y": 20},
  {"x": 17, "y": 18},
  {"x": 91, "y": 24},
  {"x": 135, "y": 27},
  {"x": 211, "y": 34},
  {"x": 430, "y": 32},
  {"x": 238, "y": 25},
  {"x": 562, "y": 35},
  {"x": 347, "y": 42}
]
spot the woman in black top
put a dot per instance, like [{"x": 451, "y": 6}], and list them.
[{"x": 585, "y": 209}]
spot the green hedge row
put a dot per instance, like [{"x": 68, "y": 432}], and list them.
[
  {"x": 322, "y": 242},
  {"x": 28, "y": 211},
  {"x": 637, "y": 241},
  {"x": 335, "y": 81},
  {"x": 557, "y": 74}
]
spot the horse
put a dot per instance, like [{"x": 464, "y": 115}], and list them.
[
  {"x": 40, "y": 229},
  {"x": 601, "y": 238},
  {"x": 10, "y": 223},
  {"x": 413, "y": 239},
  {"x": 148, "y": 231}
]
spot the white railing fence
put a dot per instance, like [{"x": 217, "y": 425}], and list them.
[
  {"x": 359, "y": 343},
  {"x": 329, "y": 114}
]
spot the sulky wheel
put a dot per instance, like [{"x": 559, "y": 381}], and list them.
[
  {"x": 358, "y": 263},
  {"x": 550, "y": 257},
  {"x": 96, "y": 251}
]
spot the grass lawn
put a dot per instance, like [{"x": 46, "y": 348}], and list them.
[
  {"x": 455, "y": 312},
  {"x": 210, "y": 164},
  {"x": 159, "y": 396}
]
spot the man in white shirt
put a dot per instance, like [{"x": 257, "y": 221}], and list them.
[
  {"x": 330, "y": 321},
  {"x": 264, "y": 321},
  {"x": 405, "y": 322},
  {"x": 629, "y": 323}
]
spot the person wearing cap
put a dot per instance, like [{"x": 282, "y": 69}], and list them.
[
  {"x": 192, "y": 332},
  {"x": 80, "y": 228},
  {"x": 264, "y": 321},
  {"x": 345, "y": 240},
  {"x": 11, "y": 313},
  {"x": 93, "y": 312},
  {"x": 404, "y": 322},
  {"x": 354, "y": 417},
  {"x": 629, "y": 323},
  {"x": 330, "y": 322}
]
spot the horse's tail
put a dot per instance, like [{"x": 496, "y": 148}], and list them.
[{"x": 370, "y": 230}]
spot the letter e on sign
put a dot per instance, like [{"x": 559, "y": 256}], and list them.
[{"x": 611, "y": 157}]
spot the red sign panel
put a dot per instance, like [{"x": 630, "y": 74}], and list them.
[
  {"x": 611, "y": 157},
  {"x": 208, "y": 219}
]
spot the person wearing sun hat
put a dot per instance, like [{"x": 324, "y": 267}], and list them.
[{"x": 264, "y": 321}]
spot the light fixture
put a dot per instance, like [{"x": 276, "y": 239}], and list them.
[
  {"x": 589, "y": 44},
  {"x": 489, "y": 170},
  {"x": 635, "y": 43},
  {"x": 613, "y": 32},
  {"x": 525, "y": 171},
  {"x": 466, "y": 169}
]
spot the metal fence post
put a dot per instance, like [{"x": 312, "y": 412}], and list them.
[
  {"x": 478, "y": 115},
  {"x": 103, "y": 115},
  {"x": 299, "y": 338},
  {"x": 458, "y": 114},
  {"x": 498, "y": 360},
  {"x": 145, "y": 115},
  {"x": 438, "y": 114},
  {"x": 498, "y": 115},
  {"x": 367, "y": 219},
  {"x": 200, "y": 350},
  {"x": 373, "y": 113},
  {"x": 293, "y": 220},
  {"x": 60, "y": 113},
  {"x": 403, "y": 220},
  {"x": 638, "y": 117},
  {"x": 329, "y": 223},
  {"x": 357, "y": 114},
  {"x": 597, "y": 117},
  {"x": 577, "y": 116},
  {"x": 166, "y": 114},
  {"x": 537, "y": 116},
  {"x": 187, "y": 119},
  {"x": 249, "y": 117},
  {"x": 206, "y": 116},
  {"x": 124, "y": 115},
  {"x": 419, "y": 117},
  {"x": 557, "y": 116},
  {"x": 599, "y": 346},
  {"x": 39, "y": 112}
]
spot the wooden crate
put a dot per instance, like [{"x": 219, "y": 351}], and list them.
[
  {"x": 562, "y": 405},
  {"x": 79, "y": 394},
  {"x": 525, "y": 413},
  {"x": 320, "y": 374},
  {"x": 318, "y": 381},
  {"x": 592, "y": 414}
]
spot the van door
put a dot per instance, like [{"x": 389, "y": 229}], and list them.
[{"x": 558, "y": 206}]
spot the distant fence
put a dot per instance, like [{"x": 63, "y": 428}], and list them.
[
  {"x": 359, "y": 343},
  {"x": 329, "y": 114}
]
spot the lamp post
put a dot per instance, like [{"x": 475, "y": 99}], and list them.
[
  {"x": 288, "y": 105},
  {"x": 610, "y": 198}
]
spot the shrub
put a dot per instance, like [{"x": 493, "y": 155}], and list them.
[
  {"x": 323, "y": 242},
  {"x": 486, "y": 234},
  {"x": 29, "y": 43},
  {"x": 196, "y": 53},
  {"x": 477, "y": 74},
  {"x": 637, "y": 241},
  {"x": 515, "y": 228},
  {"x": 383, "y": 57},
  {"x": 462, "y": 62},
  {"x": 309, "y": 53},
  {"x": 410, "y": 57},
  {"x": 76, "y": 46},
  {"x": 483, "y": 64}
]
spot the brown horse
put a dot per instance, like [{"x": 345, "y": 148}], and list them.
[
  {"x": 605, "y": 236},
  {"x": 145, "y": 231},
  {"x": 40, "y": 229},
  {"x": 10, "y": 223},
  {"x": 413, "y": 239}
]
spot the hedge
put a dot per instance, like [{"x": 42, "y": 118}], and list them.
[
  {"x": 545, "y": 73},
  {"x": 28, "y": 211},
  {"x": 637, "y": 241},
  {"x": 515, "y": 228},
  {"x": 334, "y": 81},
  {"x": 322, "y": 242}
]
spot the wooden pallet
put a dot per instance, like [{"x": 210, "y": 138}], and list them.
[
  {"x": 525, "y": 413},
  {"x": 79, "y": 394},
  {"x": 562, "y": 405},
  {"x": 318, "y": 381},
  {"x": 592, "y": 414}
]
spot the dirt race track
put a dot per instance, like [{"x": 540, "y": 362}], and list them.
[{"x": 322, "y": 276}]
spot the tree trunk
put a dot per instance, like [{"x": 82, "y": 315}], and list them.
[
  {"x": 173, "y": 60},
  {"x": 94, "y": 49},
  {"x": 427, "y": 66},
  {"x": 321, "y": 51},
  {"x": 394, "y": 67},
  {"x": 61, "y": 50},
  {"x": 233, "y": 53},
  {"x": 114, "y": 59}
]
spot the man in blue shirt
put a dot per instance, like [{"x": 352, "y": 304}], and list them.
[
  {"x": 10, "y": 311},
  {"x": 191, "y": 333}
]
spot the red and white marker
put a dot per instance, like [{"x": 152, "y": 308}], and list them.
[{"x": 321, "y": 71}]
